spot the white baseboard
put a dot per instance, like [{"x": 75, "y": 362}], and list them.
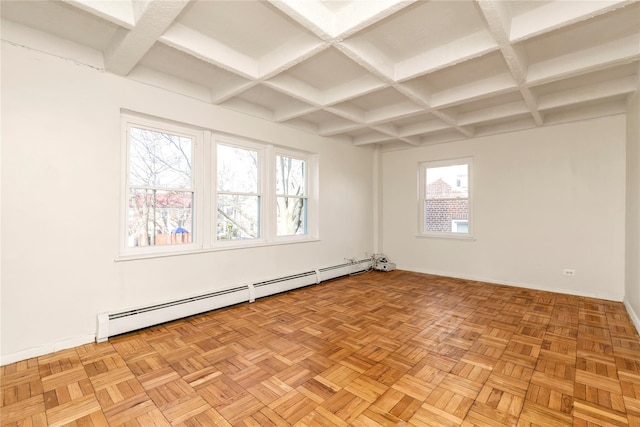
[
  {"x": 608, "y": 297},
  {"x": 633, "y": 315},
  {"x": 46, "y": 349}
]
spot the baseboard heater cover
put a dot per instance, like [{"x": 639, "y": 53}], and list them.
[
  {"x": 283, "y": 284},
  {"x": 116, "y": 323},
  {"x": 111, "y": 324}
]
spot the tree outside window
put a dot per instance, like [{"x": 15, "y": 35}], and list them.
[
  {"x": 161, "y": 194},
  {"x": 291, "y": 196}
]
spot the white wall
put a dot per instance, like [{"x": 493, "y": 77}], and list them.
[
  {"x": 632, "y": 264},
  {"x": 544, "y": 200},
  {"x": 61, "y": 204}
]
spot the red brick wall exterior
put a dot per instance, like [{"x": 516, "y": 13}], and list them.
[
  {"x": 441, "y": 208},
  {"x": 440, "y": 213}
]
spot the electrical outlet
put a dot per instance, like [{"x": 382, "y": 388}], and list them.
[{"x": 569, "y": 272}]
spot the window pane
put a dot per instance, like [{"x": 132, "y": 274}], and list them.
[
  {"x": 448, "y": 182},
  {"x": 440, "y": 215},
  {"x": 237, "y": 170},
  {"x": 291, "y": 216},
  {"x": 290, "y": 176},
  {"x": 238, "y": 217},
  {"x": 159, "y": 217},
  {"x": 158, "y": 159}
]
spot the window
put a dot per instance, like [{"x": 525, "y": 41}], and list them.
[
  {"x": 188, "y": 189},
  {"x": 445, "y": 198},
  {"x": 238, "y": 193},
  {"x": 160, "y": 186},
  {"x": 291, "y": 196}
]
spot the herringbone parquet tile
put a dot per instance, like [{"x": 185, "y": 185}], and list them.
[{"x": 376, "y": 349}]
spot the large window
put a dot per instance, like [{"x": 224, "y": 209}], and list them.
[
  {"x": 190, "y": 189},
  {"x": 445, "y": 198}
]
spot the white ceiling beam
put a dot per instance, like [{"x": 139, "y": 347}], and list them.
[
  {"x": 406, "y": 114},
  {"x": 532, "y": 104},
  {"x": 121, "y": 13},
  {"x": 558, "y": 14},
  {"x": 472, "y": 91},
  {"x": 372, "y": 138},
  {"x": 173, "y": 83},
  {"x": 292, "y": 110},
  {"x": 419, "y": 94},
  {"x": 311, "y": 14},
  {"x": 498, "y": 20},
  {"x": 352, "y": 89},
  {"x": 222, "y": 93},
  {"x": 423, "y": 127},
  {"x": 368, "y": 57},
  {"x": 617, "y": 52},
  {"x": 588, "y": 93},
  {"x": 452, "y": 121},
  {"x": 510, "y": 109},
  {"x": 358, "y": 15},
  {"x": 440, "y": 138},
  {"x": 248, "y": 107},
  {"x": 411, "y": 140},
  {"x": 349, "y": 112},
  {"x": 386, "y": 128},
  {"x": 128, "y": 47},
  {"x": 466, "y": 131},
  {"x": 469, "y": 47},
  {"x": 513, "y": 124},
  {"x": 390, "y": 112},
  {"x": 295, "y": 88},
  {"x": 563, "y": 115},
  {"x": 287, "y": 56},
  {"x": 209, "y": 50},
  {"x": 331, "y": 129}
]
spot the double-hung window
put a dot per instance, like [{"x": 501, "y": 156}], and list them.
[
  {"x": 189, "y": 189},
  {"x": 445, "y": 207},
  {"x": 160, "y": 186},
  {"x": 239, "y": 192},
  {"x": 291, "y": 195}
]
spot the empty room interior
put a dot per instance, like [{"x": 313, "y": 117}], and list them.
[{"x": 320, "y": 213}]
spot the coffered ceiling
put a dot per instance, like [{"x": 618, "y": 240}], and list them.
[{"x": 388, "y": 72}]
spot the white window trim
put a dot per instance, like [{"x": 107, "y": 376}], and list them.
[
  {"x": 196, "y": 136},
  {"x": 422, "y": 188},
  {"x": 262, "y": 150},
  {"x": 311, "y": 180},
  {"x": 204, "y": 164}
]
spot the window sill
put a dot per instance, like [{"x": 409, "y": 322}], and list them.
[
  {"x": 447, "y": 237},
  {"x": 219, "y": 248}
]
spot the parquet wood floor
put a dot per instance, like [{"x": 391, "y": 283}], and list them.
[{"x": 376, "y": 349}]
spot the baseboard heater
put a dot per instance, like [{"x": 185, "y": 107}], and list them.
[{"x": 116, "y": 323}]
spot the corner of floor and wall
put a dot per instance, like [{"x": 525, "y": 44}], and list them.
[{"x": 632, "y": 207}]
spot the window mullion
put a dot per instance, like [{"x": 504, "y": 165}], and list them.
[{"x": 268, "y": 186}]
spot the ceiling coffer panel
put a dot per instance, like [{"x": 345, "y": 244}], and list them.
[{"x": 390, "y": 73}]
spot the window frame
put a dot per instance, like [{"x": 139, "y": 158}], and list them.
[
  {"x": 310, "y": 195},
  {"x": 262, "y": 179},
  {"x": 422, "y": 197},
  {"x": 129, "y": 121},
  {"x": 205, "y": 190}
]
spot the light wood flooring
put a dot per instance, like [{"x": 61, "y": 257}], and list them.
[{"x": 376, "y": 349}]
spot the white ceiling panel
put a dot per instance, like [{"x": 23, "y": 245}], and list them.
[{"x": 390, "y": 73}]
